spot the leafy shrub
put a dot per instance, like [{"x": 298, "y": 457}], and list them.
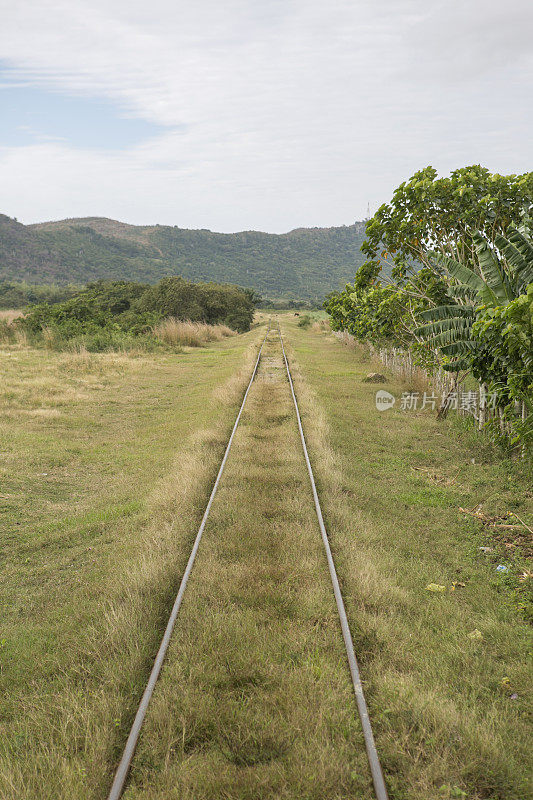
[
  {"x": 305, "y": 321},
  {"x": 111, "y": 315},
  {"x": 200, "y": 302},
  {"x": 462, "y": 250}
]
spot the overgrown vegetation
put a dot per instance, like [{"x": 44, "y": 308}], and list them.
[
  {"x": 446, "y": 672},
  {"x": 124, "y": 314},
  {"x": 106, "y": 460},
  {"x": 174, "y": 332},
  {"x": 269, "y": 710},
  {"x": 460, "y": 292},
  {"x": 265, "y": 707}
]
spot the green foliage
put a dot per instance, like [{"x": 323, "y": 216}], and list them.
[
  {"x": 200, "y": 302},
  {"x": 304, "y": 321},
  {"x": 384, "y": 315},
  {"x": 19, "y": 295},
  {"x": 427, "y": 210},
  {"x": 109, "y": 315},
  {"x": 462, "y": 251},
  {"x": 504, "y": 358},
  {"x": 301, "y": 265}
]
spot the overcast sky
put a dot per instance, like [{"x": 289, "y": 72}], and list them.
[{"x": 253, "y": 114}]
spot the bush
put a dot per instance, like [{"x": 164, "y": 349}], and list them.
[
  {"x": 123, "y": 314},
  {"x": 200, "y": 302}
]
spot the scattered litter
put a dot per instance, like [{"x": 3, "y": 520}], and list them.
[
  {"x": 507, "y": 529},
  {"x": 487, "y": 549},
  {"x": 456, "y": 584},
  {"x": 514, "y": 696},
  {"x": 497, "y": 522},
  {"x": 525, "y": 576},
  {"x": 502, "y": 568},
  {"x": 475, "y": 634},
  {"x": 506, "y": 682},
  {"x": 435, "y": 587}
]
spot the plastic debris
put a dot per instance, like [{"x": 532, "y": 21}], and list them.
[
  {"x": 514, "y": 697},
  {"x": 487, "y": 549},
  {"x": 502, "y": 568},
  {"x": 475, "y": 634},
  {"x": 435, "y": 587},
  {"x": 456, "y": 584}
]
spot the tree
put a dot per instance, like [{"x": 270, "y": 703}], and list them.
[{"x": 428, "y": 212}]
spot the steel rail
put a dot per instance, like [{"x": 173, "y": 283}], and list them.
[
  {"x": 131, "y": 743},
  {"x": 370, "y": 745}
]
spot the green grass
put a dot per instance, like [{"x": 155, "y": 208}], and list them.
[
  {"x": 392, "y": 488},
  {"x": 255, "y": 699},
  {"x": 106, "y": 462}
]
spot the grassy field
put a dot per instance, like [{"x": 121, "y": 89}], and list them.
[
  {"x": 255, "y": 699},
  {"x": 106, "y": 462},
  {"x": 448, "y": 674}
]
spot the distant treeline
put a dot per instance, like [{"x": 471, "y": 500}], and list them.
[
  {"x": 106, "y": 315},
  {"x": 281, "y": 305},
  {"x": 19, "y": 295}
]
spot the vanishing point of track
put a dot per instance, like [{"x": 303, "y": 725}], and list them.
[{"x": 121, "y": 773}]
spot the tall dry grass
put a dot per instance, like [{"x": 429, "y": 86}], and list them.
[
  {"x": 321, "y": 326},
  {"x": 8, "y": 315},
  {"x": 190, "y": 334},
  {"x": 10, "y": 333}
]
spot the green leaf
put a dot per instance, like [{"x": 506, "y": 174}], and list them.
[
  {"x": 465, "y": 275},
  {"x": 490, "y": 269},
  {"x": 444, "y": 312}
]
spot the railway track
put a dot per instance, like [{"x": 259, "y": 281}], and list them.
[{"x": 121, "y": 774}]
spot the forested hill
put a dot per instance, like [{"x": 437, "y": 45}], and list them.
[{"x": 303, "y": 264}]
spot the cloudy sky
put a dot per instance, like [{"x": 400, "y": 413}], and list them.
[{"x": 253, "y": 114}]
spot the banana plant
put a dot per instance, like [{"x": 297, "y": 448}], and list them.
[{"x": 501, "y": 279}]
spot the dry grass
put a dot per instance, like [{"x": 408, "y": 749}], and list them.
[
  {"x": 174, "y": 331},
  {"x": 321, "y": 326},
  {"x": 445, "y": 722},
  {"x": 10, "y": 314},
  {"x": 264, "y": 706},
  {"x": 106, "y": 463},
  {"x": 101, "y": 493},
  {"x": 10, "y": 333}
]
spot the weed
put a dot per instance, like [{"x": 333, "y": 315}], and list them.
[{"x": 173, "y": 331}]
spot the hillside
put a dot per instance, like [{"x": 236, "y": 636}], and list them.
[{"x": 305, "y": 263}]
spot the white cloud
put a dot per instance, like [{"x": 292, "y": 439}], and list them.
[{"x": 279, "y": 113}]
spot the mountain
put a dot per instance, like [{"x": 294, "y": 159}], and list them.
[{"x": 304, "y": 264}]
